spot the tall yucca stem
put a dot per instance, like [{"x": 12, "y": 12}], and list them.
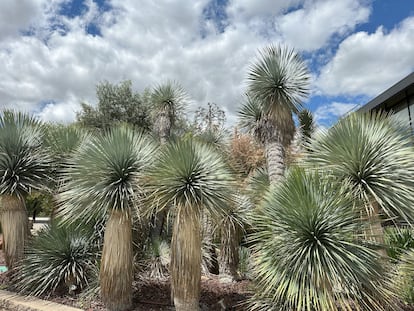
[
  {"x": 376, "y": 231},
  {"x": 116, "y": 272},
  {"x": 14, "y": 223},
  {"x": 186, "y": 259},
  {"x": 275, "y": 155},
  {"x": 229, "y": 255}
]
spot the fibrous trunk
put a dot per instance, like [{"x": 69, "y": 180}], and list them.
[
  {"x": 186, "y": 260},
  {"x": 229, "y": 251},
  {"x": 275, "y": 154},
  {"x": 164, "y": 130},
  {"x": 376, "y": 231},
  {"x": 15, "y": 225},
  {"x": 116, "y": 272}
]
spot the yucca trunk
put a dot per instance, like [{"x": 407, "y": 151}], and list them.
[
  {"x": 164, "y": 127},
  {"x": 275, "y": 158},
  {"x": 186, "y": 259},
  {"x": 376, "y": 231},
  {"x": 229, "y": 251},
  {"x": 164, "y": 130},
  {"x": 15, "y": 225},
  {"x": 116, "y": 272}
]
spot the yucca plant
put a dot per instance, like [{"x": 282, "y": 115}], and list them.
[
  {"x": 24, "y": 166},
  {"x": 257, "y": 185},
  {"x": 157, "y": 261},
  {"x": 372, "y": 155},
  {"x": 307, "y": 255},
  {"x": 104, "y": 177},
  {"x": 168, "y": 100},
  {"x": 278, "y": 82},
  {"x": 232, "y": 228},
  {"x": 398, "y": 241},
  {"x": 190, "y": 177},
  {"x": 60, "y": 257}
]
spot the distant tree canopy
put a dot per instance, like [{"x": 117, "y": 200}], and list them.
[
  {"x": 211, "y": 118},
  {"x": 117, "y": 104}
]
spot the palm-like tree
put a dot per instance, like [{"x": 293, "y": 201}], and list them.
[
  {"x": 306, "y": 252},
  {"x": 105, "y": 177},
  {"x": 278, "y": 82},
  {"x": 189, "y": 177},
  {"x": 168, "y": 100},
  {"x": 373, "y": 157},
  {"x": 24, "y": 167}
]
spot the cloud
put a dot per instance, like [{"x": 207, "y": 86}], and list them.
[
  {"x": 59, "y": 60},
  {"x": 59, "y": 112},
  {"x": 369, "y": 63},
  {"x": 327, "y": 112},
  {"x": 17, "y": 15},
  {"x": 313, "y": 20}
]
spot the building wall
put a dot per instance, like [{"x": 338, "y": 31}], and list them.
[{"x": 404, "y": 111}]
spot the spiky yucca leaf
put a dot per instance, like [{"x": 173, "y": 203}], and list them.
[
  {"x": 251, "y": 116},
  {"x": 106, "y": 173},
  {"x": 279, "y": 80},
  {"x": 306, "y": 254},
  {"x": 373, "y": 156},
  {"x": 60, "y": 256},
  {"x": 258, "y": 184},
  {"x": 63, "y": 140},
  {"x": 23, "y": 163},
  {"x": 232, "y": 227},
  {"x": 169, "y": 100},
  {"x": 191, "y": 174},
  {"x": 307, "y": 124},
  {"x": 169, "y": 96}
]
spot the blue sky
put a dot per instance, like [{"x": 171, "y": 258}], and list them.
[{"x": 54, "y": 52}]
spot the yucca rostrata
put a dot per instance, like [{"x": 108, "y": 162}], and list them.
[
  {"x": 104, "y": 177},
  {"x": 24, "y": 166},
  {"x": 189, "y": 177}
]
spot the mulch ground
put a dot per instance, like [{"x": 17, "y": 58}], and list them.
[{"x": 155, "y": 295}]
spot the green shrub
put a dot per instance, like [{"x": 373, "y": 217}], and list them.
[
  {"x": 61, "y": 257},
  {"x": 398, "y": 240}
]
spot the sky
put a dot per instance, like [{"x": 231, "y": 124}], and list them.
[{"x": 53, "y": 53}]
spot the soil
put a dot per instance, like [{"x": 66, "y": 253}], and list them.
[{"x": 155, "y": 295}]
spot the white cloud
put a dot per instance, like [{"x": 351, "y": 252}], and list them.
[
  {"x": 311, "y": 27},
  {"x": 59, "y": 112},
  {"x": 149, "y": 42},
  {"x": 327, "y": 112},
  {"x": 369, "y": 63},
  {"x": 17, "y": 15}
]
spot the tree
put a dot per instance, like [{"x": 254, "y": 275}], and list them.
[
  {"x": 308, "y": 255},
  {"x": 278, "y": 82},
  {"x": 105, "y": 177},
  {"x": 168, "y": 103},
  {"x": 24, "y": 166},
  {"x": 373, "y": 156},
  {"x": 189, "y": 177},
  {"x": 117, "y": 104},
  {"x": 210, "y": 119}
]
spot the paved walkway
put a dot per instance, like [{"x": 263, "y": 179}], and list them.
[{"x": 12, "y": 301}]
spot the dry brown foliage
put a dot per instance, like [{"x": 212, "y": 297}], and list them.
[{"x": 245, "y": 154}]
